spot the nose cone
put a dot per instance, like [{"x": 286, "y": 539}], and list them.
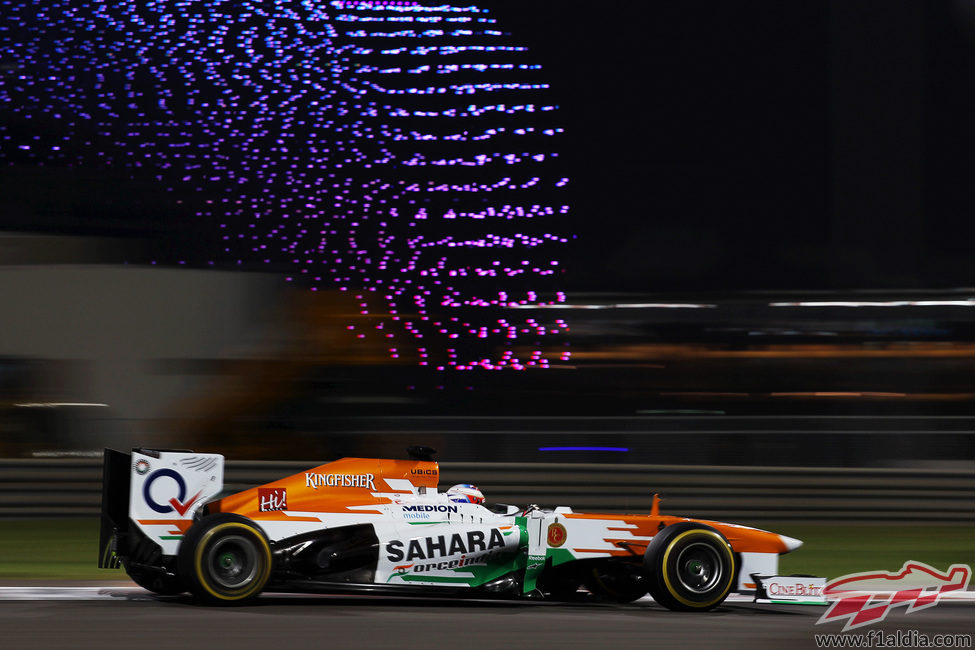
[{"x": 791, "y": 543}]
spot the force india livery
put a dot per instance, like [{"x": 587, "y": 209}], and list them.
[{"x": 381, "y": 526}]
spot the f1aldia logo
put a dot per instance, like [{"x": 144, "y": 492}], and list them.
[
  {"x": 177, "y": 503},
  {"x": 864, "y": 598}
]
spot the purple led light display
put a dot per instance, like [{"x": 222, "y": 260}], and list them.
[
  {"x": 583, "y": 449},
  {"x": 404, "y": 152}
]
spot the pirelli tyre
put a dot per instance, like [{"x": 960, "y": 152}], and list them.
[
  {"x": 225, "y": 559},
  {"x": 689, "y": 567}
]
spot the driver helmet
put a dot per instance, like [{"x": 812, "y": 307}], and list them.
[{"x": 465, "y": 493}]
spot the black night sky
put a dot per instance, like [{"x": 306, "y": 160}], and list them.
[
  {"x": 768, "y": 145},
  {"x": 714, "y": 146}
]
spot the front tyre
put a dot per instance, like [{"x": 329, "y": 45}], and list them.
[
  {"x": 690, "y": 567},
  {"x": 225, "y": 559}
]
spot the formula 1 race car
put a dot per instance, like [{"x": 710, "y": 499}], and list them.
[{"x": 381, "y": 526}]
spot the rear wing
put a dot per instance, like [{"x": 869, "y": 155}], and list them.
[
  {"x": 156, "y": 491},
  {"x": 115, "y": 506}
]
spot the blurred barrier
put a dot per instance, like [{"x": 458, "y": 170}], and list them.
[{"x": 72, "y": 488}]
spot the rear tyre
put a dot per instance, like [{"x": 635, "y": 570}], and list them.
[
  {"x": 690, "y": 567},
  {"x": 225, "y": 559}
]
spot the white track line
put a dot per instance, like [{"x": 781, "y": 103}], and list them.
[{"x": 74, "y": 593}]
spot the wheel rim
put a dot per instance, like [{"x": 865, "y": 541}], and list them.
[
  {"x": 699, "y": 568},
  {"x": 232, "y": 562}
]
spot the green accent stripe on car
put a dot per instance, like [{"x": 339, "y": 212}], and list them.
[
  {"x": 522, "y": 523},
  {"x": 559, "y": 555}
]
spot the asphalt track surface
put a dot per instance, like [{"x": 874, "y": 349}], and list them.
[{"x": 121, "y": 617}]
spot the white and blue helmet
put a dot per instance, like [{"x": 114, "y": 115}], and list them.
[{"x": 465, "y": 493}]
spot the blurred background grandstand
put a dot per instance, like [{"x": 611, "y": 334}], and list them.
[
  {"x": 247, "y": 364},
  {"x": 720, "y": 234}
]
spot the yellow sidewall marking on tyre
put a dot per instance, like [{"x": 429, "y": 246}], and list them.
[
  {"x": 258, "y": 583},
  {"x": 666, "y": 572}
]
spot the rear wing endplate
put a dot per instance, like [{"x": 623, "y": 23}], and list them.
[{"x": 115, "y": 506}]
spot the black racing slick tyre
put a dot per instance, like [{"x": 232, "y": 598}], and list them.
[
  {"x": 225, "y": 559},
  {"x": 689, "y": 567}
]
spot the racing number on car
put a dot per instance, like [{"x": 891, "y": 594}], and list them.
[{"x": 556, "y": 535}]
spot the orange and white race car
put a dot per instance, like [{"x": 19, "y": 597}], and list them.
[{"x": 382, "y": 526}]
